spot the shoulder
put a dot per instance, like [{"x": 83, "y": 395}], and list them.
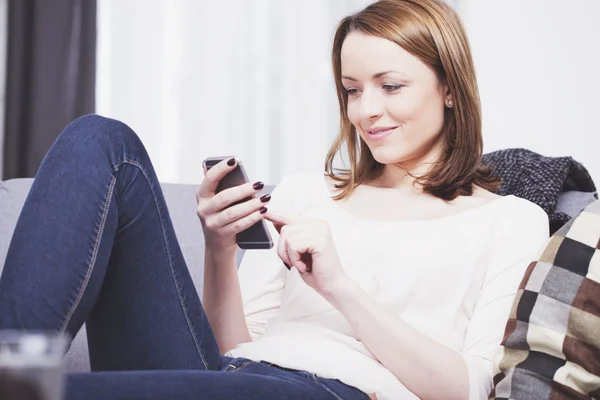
[
  {"x": 511, "y": 207},
  {"x": 521, "y": 224},
  {"x": 519, "y": 209},
  {"x": 515, "y": 222}
]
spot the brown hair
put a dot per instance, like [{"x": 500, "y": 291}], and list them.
[{"x": 431, "y": 31}]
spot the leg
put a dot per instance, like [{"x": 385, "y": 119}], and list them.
[
  {"x": 94, "y": 243},
  {"x": 240, "y": 380}
]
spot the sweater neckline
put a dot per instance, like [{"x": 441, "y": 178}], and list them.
[{"x": 464, "y": 213}]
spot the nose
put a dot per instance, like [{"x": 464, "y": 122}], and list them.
[{"x": 371, "y": 106}]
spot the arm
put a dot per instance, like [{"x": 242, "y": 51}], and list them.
[
  {"x": 223, "y": 216},
  {"x": 416, "y": 359},
  {"x": 238, "y": 303},
  {"x": 222, "y": 300},
  {"x": 262, "y": 281},
  {"x": 413, "y": 357}
]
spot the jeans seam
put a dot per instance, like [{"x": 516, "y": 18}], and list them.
[
  {"x": 92, "y": 264},
  {"x": 169, "y": 257},
  {"x": 314, "y": 378}
]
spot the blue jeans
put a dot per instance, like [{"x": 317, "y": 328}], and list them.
[{"x": 95, "y": 244}]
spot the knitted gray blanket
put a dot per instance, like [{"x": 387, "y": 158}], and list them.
[{"x": 539, "y": 179}]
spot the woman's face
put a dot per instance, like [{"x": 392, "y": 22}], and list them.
[{"x": 395, "y": 101}]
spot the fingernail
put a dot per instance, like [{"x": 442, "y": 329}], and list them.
[
  {"x": 265, "y": 198},
  {"x": 231, "y": 162},
  {"x": 263, "y": 210},
  {"x": 287, "y": 266},
  {"x": 258, "y": 185}
]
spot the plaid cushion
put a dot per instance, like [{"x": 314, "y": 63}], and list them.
[{"x": 551, "y": 345}]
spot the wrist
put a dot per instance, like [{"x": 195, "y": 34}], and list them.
[
  {"x": 340, "y": 289},
  {"x": 219, "y": 255}
]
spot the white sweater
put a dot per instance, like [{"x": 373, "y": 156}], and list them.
[{"x": 452, "y": 278}]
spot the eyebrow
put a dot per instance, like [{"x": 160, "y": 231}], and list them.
[{"x": 376, "y": 76}]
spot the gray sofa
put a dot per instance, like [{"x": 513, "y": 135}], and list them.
[
  {"x": 182, "y": 207},
  {"x": 181, "y": 202}
]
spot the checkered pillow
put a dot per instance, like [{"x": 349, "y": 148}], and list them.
[{"x": 551, "y": 345}]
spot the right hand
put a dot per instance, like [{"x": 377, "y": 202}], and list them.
[{"x": 219, "y": 223}]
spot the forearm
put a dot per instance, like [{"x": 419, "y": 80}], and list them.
[
  {"x": 222, "y": 301},
  {"x": 426, "y": 367}
]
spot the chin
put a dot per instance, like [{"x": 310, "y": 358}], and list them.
[{"x": 388, "y": 155}]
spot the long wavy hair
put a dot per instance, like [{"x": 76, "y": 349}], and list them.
[{"x": 430, "y": 30}]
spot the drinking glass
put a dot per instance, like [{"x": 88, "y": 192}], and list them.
[{"x": 31, "y": 365}]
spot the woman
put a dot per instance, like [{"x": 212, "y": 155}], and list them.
[{"x": 403, "y": 268}]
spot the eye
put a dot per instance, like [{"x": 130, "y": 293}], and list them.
[
  {"x": 352, "y": 92},
  {"x": 392, "y": 88}
]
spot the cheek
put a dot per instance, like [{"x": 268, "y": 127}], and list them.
[
  {"x": 426, "y": 113},
  {"x": 402, "y": 109},
  {"x": 352, "y": 112},
  {"x": 433, "y": 118}
]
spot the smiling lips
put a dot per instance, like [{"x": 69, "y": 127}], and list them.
[{"x": 376, "y": 134}]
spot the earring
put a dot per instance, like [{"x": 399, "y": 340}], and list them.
[{"x": 450, "y": 104}]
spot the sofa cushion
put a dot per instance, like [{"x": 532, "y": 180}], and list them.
[{"x": 573, "y": 201}]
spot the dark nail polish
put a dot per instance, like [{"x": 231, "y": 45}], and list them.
[
  {"x": 263, "y": 210},
  {"x": 258, "y": 186},
  {"x": 287, "y": 266},
  {"x": 265, "y": 198},
  {"x": 231, "y": 162}
]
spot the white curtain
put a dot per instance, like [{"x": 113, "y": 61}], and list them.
[
  {"x": 196, "y": 78},
  {"x": 537, "y": 64}
]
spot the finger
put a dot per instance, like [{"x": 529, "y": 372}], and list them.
[
  {"x": 214, "y": 175},
  {"x": 240, "y": 211},
  {"x": 232, "y": 196},
  {"x": 244, "y": 223},
  {"x": 298, "y": 250},
  {"x": 281, "y": 250},
  {"x": 280, "y": 218},
  {"x": 290, "y": 228},
  {"x": 296, "y": 261}
]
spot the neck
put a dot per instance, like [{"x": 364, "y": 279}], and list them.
[
  {"x": 402, "y": 175},
  {"x": 396, "y": 176}
]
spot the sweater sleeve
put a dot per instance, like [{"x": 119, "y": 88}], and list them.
[
  {"x": 519, "y": 244},
  {"x": 262, "y": 273}
]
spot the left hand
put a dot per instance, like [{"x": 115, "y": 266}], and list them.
[{"x": 307, "y": 245}]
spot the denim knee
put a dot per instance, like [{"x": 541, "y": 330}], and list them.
[{"x": 94, "y": 135}]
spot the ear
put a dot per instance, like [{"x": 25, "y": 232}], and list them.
[{"x": 448, "y": 100}]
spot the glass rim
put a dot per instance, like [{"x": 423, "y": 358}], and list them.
[{"x": 13, "y": 335}]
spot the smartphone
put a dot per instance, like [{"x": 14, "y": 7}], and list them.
[{"x": 257, "y": 236}]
